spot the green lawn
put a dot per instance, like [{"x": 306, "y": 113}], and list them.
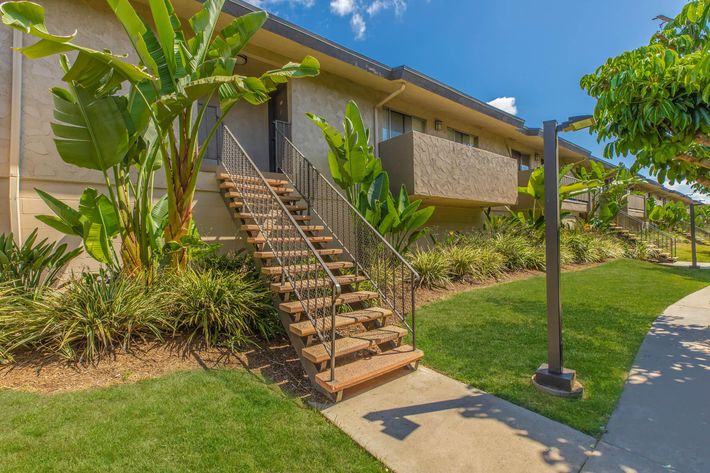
[
  {"x": 702, "y": 252},
  {"x": 495, "y": 338},
  {"x": 194, "y": 421}
]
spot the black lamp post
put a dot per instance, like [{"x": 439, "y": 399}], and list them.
[
  {"x": 694, "y": 255},
  {"x": 552, "y": 377}
]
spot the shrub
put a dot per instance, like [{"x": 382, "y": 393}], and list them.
[
  {"x": 588, "y": 247},
  {"x": 91, "y": 316},
  {"x": 32, "y": 265},
  {"x": 218, "y": 306},
  {"x": 473, "y": 263},
  {"x": 489, "y": 263},
  {"x": 519, "y": 252},
  {"x": 233, "y": 261},
  {"x": 433, "y": 268}
]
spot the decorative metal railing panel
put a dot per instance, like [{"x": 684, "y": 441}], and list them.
[
  {"x": 647, "y": 232},
  {"x": 388, "y": 272},
  {"x": 302, "y": 267}
]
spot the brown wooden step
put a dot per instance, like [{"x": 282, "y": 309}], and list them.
[
  {"x": 365, "y": 369},
  {"x": 321, "y": 251},
  {"x": 223, "y": 176},
  {"x": 361, "y": 341},
  {"x": 305, "y": 228},
  {"x": 296, "y": 307},
  {"x": 255, "y": 188},
  {"x": 262, "y": 196},
  {"x": 302, "y": 268},
  {"x": 306, "y": 328},
  {"x": 292, "y": 208},
  {"x": 258, "y": 240},
  {"x": 343, "y": 280},
  {"x": 250, "y": 216}
]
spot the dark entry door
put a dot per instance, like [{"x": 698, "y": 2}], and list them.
[{"x": 278, "y": 111}]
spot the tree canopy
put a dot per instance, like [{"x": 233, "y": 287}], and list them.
[{"x": 652, "y": 102}]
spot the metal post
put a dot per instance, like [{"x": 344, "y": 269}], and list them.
[
  {"x": 552, "y": 249},
  {"x": 552, "y": 377},
  {"x": 694, "y": 258}
]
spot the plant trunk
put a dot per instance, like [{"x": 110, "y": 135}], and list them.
[
  {"x": 180, "y": 213},
  {"x": 130, "y": 254}
]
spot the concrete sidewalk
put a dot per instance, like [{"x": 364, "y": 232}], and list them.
[
  {"x": 425, "y": 422},
  {"x": 662, "y": 421}
]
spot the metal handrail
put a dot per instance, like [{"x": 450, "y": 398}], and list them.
[
  {"x": 302, "y": 266},
  {"x": 388, "y": 271},
  {"x": 648, "y": 232},
  {"x": 567, "y": 179}
]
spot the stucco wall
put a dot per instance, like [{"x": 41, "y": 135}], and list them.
[
  {"x": 436, "y": 167},
  {"x": 325, "y": 95}
]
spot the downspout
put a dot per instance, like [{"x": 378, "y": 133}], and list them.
[
  {"x": 15, "y": 138},
  {"x": 394, "y": 94}
]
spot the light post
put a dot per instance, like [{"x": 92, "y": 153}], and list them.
[
  {"x": 694, "y": 256},
  {"x": 552, "y": 377}
]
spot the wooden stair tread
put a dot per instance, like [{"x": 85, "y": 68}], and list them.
[
  {"x": 365, "y": 369},
  {"x": 257, "y": 240},
  {"x": 306, "y": 328},
  {"x": 263, "y": 196},
  {"x": 361, "y": 341},
  {"x": 257, "y": 188},
  {"x": 305, "y": 228},
  {"x": 296, "y": 307},
  {"x": 321, "y": 251},
  {"x": 345, "y": 280},
  {"x": 223, "y": 176},
  {"x": 250, "y": 216},
  {"x": 301, "y": 268}
]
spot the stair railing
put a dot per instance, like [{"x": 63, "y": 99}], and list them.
[
  {"x": 389, "y": 274},
  {"x": 302, "y": 267},
  {"x": 648, "y": 232}
]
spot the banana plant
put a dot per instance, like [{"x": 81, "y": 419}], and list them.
[
  {"x": 355, "y": 168},
  {"x": 607, "y": 200},
  {"x": 536, "y": 187},
  {"x": 180, "y": 67}
]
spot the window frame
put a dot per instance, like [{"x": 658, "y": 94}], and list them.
[
  {"x": 473, "y": 138},
  {"x": 387, "y": 132},
  {"x": 518, "y": 155}
]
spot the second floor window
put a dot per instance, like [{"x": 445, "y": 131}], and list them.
[
  {"x": 208, "y": 121},
  {"x": 463, "y": 138},
  {"x": 523, "y": 160},
  {"x": 398, "y": 124}
]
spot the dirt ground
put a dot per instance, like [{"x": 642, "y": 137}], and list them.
[{"x": 275, "y": 361}]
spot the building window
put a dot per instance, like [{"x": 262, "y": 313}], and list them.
[
  {"x": 398, "y": 124},
  {"x": 209, "y": 120},
  {"x": 523, "y": 160},
  {"x": 463, "y": 138}
]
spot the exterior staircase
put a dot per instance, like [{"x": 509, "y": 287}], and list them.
[
  {"x": 344, "y": 296},
  {"x": 636, "y": 230}
]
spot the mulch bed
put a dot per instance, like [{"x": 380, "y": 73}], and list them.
[{"x": 275, "y": 361}]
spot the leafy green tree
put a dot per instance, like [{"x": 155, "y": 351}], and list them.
[
  {"x": 181, "y": 70},
  {"x": 355, "y": 168},
  {"x": 653, "y": 101},
  {"x": 670, "y": 216}
]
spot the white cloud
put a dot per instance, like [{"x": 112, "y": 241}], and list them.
[
  {"x": 400, "y": 6},
  {"x": 342, "y": 7},
  {"x": 358, "y": 25},
  {"x": 507, "y": 104}
]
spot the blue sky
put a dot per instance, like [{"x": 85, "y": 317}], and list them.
[{"x": 532, "y": 52}]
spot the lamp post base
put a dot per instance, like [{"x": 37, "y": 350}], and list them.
[{"x": 563, "y": 384}]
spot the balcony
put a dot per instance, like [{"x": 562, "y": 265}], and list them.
[{"x": 448, "y": 173}]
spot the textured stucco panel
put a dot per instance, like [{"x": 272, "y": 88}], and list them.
[{"x": 448, "y": 170}]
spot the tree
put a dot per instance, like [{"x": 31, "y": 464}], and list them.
[
  {"x": 181, "y": 71},
  {"x": 652, "y": 102},
  {"x": 355, "y": 168}
]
